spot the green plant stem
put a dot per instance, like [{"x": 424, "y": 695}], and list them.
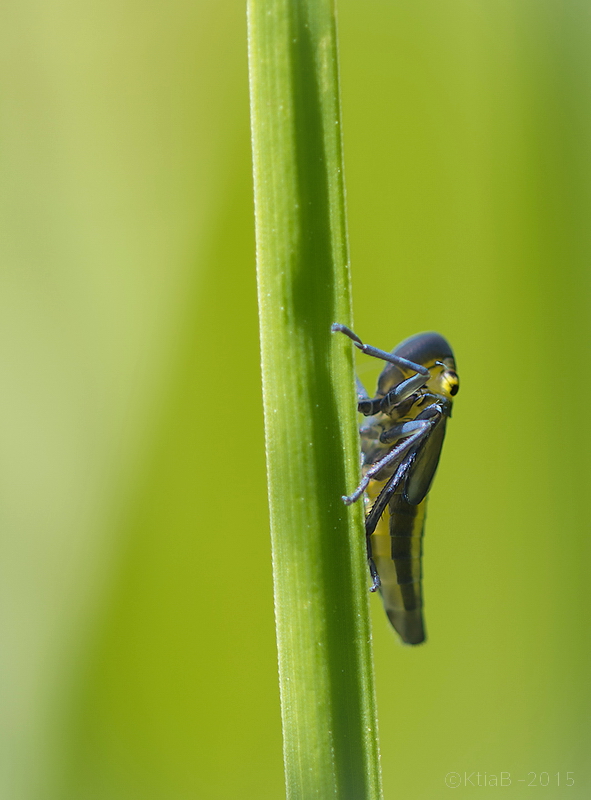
[{"x": 325, "y": 667}]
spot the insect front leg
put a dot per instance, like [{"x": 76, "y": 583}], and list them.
[
  {"x": 377, "y": 353},
  {"x": 405, "y": 389}
]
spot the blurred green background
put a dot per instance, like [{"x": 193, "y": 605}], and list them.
[{"x": 137, "y": 622}]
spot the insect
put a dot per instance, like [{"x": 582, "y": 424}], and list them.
[{"x": 401, "y": 445}]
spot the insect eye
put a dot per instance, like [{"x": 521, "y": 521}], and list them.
[{"x": 452, "y": 381}]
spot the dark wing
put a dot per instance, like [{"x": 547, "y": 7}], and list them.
[
  {"x": 424, "y": 463},
  {"x": 396, "y": 554}
]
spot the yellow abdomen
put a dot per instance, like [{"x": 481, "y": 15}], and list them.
[{"x": 396, "y": 546}]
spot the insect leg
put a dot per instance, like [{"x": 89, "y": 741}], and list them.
[
  {"x": 377, "y": 353},
  {"x": 405, "y": 389},
  {"x": 406, "y": 428},
  {"x": 417, "y": 431},
  {"x": 398, "y": 393},
  {"x": 366, "y": 405},
  {"x": 375, "y": 578}
]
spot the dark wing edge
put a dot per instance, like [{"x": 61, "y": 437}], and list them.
[{"x": 425, "y": 461}]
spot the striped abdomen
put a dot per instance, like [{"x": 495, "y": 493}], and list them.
[{"x": 396, "y": 546}]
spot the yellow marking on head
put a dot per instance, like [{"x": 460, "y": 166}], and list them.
[{"x": 445, "y": 379}]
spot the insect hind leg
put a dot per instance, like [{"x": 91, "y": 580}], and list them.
[
  {"x": 375, "y": 578},
  {"x": 413, "y": 433}
]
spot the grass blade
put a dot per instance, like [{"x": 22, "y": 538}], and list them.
[{"x": 326, "y": 679}]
